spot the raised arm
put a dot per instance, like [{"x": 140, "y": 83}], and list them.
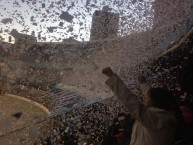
[{"x": 134, "y": 105}]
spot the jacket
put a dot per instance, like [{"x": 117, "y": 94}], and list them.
[{"x": 153, "y": 126}]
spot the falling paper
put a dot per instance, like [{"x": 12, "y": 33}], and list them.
[
  {"x": 7, "y": 20},
  {"x": 61, "y": 24},
  {"x": 43, "y": 5},
  {"x": 51, "y": 29},
  {"x": 66, "y": 16}
]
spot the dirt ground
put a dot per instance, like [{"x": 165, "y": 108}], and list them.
[{"x": 31, "y": 113}]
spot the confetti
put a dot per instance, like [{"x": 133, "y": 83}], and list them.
[
  {"x": 61, "y": 24},
  {"x": 66, "y": 16},
  {"x": 51, "y": 29},
  {"x": 43, "y": 5},
  {"x": 127, "y": 34},
  {"x": 7, "y": 20},
  {"x": 17, "y": 115}
]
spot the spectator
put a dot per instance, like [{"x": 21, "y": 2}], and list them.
[
  {"x": 188, "y": 119},
  {"x": 157, "y": 119},
  {"x": 186, "y": 76},
  {"x": 187, "y": 113}
]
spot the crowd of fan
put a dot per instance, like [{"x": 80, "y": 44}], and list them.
[
  {"x": 86, "y": 125},
  {"x": 106, "y": 121}
]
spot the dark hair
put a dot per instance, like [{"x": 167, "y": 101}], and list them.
[{"x": 164, "y": 99}]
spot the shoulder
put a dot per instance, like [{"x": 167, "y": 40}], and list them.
[
  {"x": 163, "y": 115},
  {"x": 164, "y": 119}
]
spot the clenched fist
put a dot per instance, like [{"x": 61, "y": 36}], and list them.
[{"x": 108, "y": 71}]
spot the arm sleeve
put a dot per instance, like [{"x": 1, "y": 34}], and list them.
[{"x": 134, "y": 105}]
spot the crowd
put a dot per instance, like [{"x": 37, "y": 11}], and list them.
[
  {"x": 109, "y": 122},
  {"x": 87, "y": 125}
]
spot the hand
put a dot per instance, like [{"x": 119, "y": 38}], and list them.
[
  {"x": 142, "y": 79},
  {"x": 191, "y": 52},
  {"x": 108, "y": 71}
]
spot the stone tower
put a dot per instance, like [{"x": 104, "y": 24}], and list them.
[{"x": 104, "y": 25}]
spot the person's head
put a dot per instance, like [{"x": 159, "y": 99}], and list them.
[
  {"x": 163, "y": 99},
  {"x": 160, "y": 98}
]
